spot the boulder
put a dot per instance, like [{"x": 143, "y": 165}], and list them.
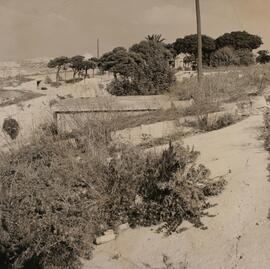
[
  {"x": 123, "y": 227},
  {"x": 105, "y": 238}
]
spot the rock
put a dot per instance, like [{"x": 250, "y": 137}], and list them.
[
  {"x": 105, "y": 238},
  {"x": 78, "y": 159},
  {"x": 123, "y": 227},
  {"x": 138, "y": 200},
  {"x": 231, "y": 108},
  {"x": 258, "y": 102},
  {"x": 109, "y": 232},
  {"x": 68, "y": 142}
]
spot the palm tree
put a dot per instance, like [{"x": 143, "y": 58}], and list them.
[{"x": 155, "y": 38}]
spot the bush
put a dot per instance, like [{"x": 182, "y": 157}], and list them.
[
  {"x": 171, "y": 189},
  {"x": 266, "y": 133},
  {"x": 244, "y": 57},
  {"x": 223, "y": 121},
  {"x": 223, "y": 57},
  {"x": 55, "y": 198},
  {"x": 11, "y": 127}
]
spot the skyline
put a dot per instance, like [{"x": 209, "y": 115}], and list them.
[{"x": 36, "y": 28}]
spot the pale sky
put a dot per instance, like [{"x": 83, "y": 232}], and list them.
[{"x": 32, "y": 28}]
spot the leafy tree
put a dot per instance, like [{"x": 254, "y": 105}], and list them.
[
  {"x": 86, "y": 65},
  {"x": 143, "y": 69},
  {"x": 189, "y": 45},
  {"x": 189, "y": 60},
  {"x": 58, "y": 63},
  {"x": 244, "y": 57},
  {"x": 121, "y": 63},
  {"x": 110, "y": 61},
  {"x": 170, "y": 47},
  {"x": 239, "y": 40},
  {"x": 147, "y": 70},
  {"x": 96, "y": 63},
  {"x": 263, "y": 57},
  {"x": 156, "y": 38},
  {"x": 223, "y": 57},
  {"x": 76, "y": 64}
]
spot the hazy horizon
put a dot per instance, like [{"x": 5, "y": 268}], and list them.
[{"x": 35, "y": 28}]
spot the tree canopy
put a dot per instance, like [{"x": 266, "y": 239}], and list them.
[
  {"x": 143, "y": 69},
  {"x": 76, "y": 64},
  {"x": 58, "y": 63},
  {"x": 239, "y": 40},
  {"x": 263, "y": 57},
  {"x": 189, "y": 45},
  {"x": 155, "y": 37}
]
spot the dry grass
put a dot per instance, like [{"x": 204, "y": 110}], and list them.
[
  {"x": 226, "y": 87},
  {"x": 58, "y": 195}
]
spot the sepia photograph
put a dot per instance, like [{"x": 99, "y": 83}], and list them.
[{"x": 134, "y": 134}]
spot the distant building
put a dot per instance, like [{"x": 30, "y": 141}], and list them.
[{"x": 181, "y": 62}]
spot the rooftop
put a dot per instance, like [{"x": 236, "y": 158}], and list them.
[{"x": 113, "y": 103}]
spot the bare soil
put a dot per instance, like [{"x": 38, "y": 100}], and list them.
[{"x": 237, "y": 236}]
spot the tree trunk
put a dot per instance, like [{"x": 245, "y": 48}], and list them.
[
  {"x": 57, "y": 73},
  {"x": 86, "y": 73}
]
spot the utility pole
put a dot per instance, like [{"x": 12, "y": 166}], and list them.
[
  {"x": 199, "y": 35},
  {"x": 98, "y": 48}
]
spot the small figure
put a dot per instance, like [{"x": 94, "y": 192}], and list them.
[{"x": 38, "y": 83}]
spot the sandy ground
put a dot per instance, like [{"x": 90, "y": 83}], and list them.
[{"x": 237, "y": 237}]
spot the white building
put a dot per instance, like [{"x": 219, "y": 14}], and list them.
[{"x": 180, "y": 62}]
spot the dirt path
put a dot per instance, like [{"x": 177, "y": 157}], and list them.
[{"x": 237, "y": 237}]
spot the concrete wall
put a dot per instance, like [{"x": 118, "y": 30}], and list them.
[{"x": 143, "y": 133}]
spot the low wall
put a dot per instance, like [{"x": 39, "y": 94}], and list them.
[{"x": 143, "y": 133}]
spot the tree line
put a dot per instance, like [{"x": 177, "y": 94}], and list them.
[
  {"x": 78, "y": 64},
  {"x": 233, "y": 48},
  {"x": 147, "y": 67}
]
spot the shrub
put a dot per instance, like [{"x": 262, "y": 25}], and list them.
[
  {"x": 53, "y": 204},
  {"x": 172, "y": 188},
  {"x": 244, "y": 57},
  {"x": 207, "y": 125},
  {"x": 11, "y": 127},
  {"x": 266, "y": 132},
  {"x": 223, "y": 57}
]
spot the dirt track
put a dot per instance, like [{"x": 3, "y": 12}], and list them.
[{"x": 237, "y": 237}]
